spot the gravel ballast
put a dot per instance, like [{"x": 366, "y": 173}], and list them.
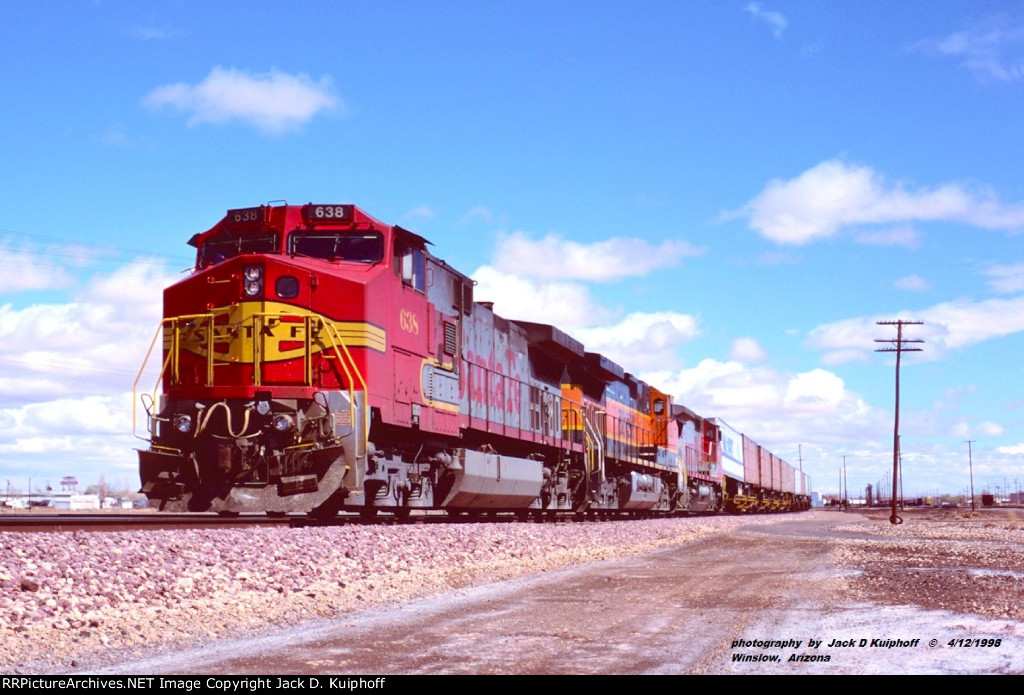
[
  {"x": 84, "y": 599},
  {"x": 969, "y": 564}
]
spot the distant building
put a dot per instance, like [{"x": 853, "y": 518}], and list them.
[{"x": 72, "y": 501}]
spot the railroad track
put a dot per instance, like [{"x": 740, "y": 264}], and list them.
[
  {"x": 40, "y": 523},
  {"x": 129, "y": 522}
]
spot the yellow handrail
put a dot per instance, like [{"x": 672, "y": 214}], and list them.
[
  {"x": 336, "y": 340},
  {"x": 172, "y": 356},
  {"x": 334, "y": 343},
  {"x": 138, "y": 378}
]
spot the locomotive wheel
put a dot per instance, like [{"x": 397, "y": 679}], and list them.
[{"x": 368, "y": 512}]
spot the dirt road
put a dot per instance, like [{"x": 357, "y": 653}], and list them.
[{"x": 813, "y": 595}]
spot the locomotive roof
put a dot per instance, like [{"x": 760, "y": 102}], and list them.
[{"x": 264, "y": 212}]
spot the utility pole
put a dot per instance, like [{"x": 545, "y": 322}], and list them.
[
  {"x": 846, "y": 487},
  {"x": 900, "y": 447},
  {"x": 970, "y": 462},
  {"x": 899, "y": 346}
]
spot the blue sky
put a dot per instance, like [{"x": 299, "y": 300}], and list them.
[{"x": 722, "y": 196}]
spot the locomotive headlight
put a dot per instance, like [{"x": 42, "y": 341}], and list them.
[
  {"x": 252, "y": 278},
  {"x": 282, "y": 423},
  {"x": 183, "y": 423}
]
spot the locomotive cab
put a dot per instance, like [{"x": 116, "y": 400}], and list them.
[
  {"x": 298, "y": 357},
  {"x": 266, "y": 355}
]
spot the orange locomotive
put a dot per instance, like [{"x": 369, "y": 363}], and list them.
[{"x": 318, "y": 360}]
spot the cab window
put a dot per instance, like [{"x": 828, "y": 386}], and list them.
[
  {"x": 411, "y": 265},
  {"x": 356, "y": 247},
  {"x": 226, "y": 245}
]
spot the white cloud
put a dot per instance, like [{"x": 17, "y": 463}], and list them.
[
  {"x": 567, "y": 305},
  {"x": 962, "y": 323},
  {"x": 991, "y": 49},
  {"x": 420, "y": 212},
  {"x": 774, "y": 19},
  {"x": 990, "y": 429},
  {"x": 66, "y": 375},
  {"x": 535, "y": 280},
  {"x": 93, "y": 345},
  {"x": 136, "y": 289},
  {"x": 1006, "y": 279},
  {"x": 947, "y": 326},
  {"x": 912, "y": 283},
  {"x": 747, "y": 351},
  {"x": 25, "y": 269},
  {"x": 834, "y": 195},
  {"x": 1016, "y": 449},
  {"x": 815, "y": 388},
  {"x": 115, "y": 136},
  {"x": 845, "y": 341},
  {"x": 273, "y": 102},
  {"x": 553, "y": 258},
  {"x": 642, "y": 340},
  {"x": 637, "y": 341},
  {"x": 79, "y": 416},
  {"x": 961, "y": 430},
  {"x": 478, "y": 213},
  {"x": 48, "y": 456},
  {"x": 953, "y": 399},
  {"x": 842, "y": 356},
  {"x": 774, "y": 407}
]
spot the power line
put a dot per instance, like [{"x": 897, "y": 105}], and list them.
[
  {"x": 50, "y": 363},
  {"x": 899, "y": 346},
  {"x": 45, "y": 247}
]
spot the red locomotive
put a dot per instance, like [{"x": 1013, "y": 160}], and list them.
[{"x": 318, "y": 360}]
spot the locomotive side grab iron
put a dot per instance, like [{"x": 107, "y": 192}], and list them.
[{"x": 318, "y": 360}]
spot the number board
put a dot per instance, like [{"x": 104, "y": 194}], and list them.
[
  {"x": 246, "y": 216},
  {"x": 326, "y": 213}
]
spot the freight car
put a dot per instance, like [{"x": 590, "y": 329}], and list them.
[{"x": 317, "y": 359}]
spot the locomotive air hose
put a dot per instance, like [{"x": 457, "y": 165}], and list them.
[{"x": 209, "y": 412}]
